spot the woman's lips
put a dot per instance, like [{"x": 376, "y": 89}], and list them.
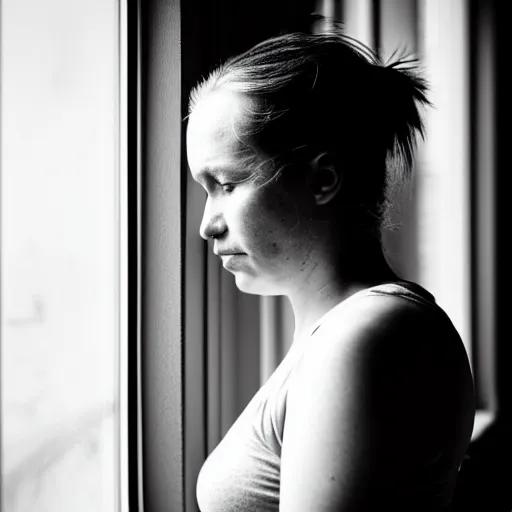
[{"x": 228, "y": 259}]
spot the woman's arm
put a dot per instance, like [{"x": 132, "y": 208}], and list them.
[{"x": 362, "y": 404}]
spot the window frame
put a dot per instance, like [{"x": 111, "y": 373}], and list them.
[
  {"x": 160, "y": 192},
  {"x": 129, "y": 209}
]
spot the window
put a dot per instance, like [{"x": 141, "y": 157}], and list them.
[{"x": 61, "y": 256}]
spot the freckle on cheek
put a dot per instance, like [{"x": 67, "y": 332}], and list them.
[{"x": 273, "y": 248}]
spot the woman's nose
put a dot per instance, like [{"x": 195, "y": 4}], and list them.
[{"x": 212, "y": 224}]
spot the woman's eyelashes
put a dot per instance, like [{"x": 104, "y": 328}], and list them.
[{"x": 227, "y": 188}]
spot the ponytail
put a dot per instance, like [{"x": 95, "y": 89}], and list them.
[{"x": 403, "y": 91}]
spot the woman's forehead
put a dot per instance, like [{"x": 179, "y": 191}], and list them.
[
  {"x": 219, "y": 112},
  {"x": 212, "y": 139}
]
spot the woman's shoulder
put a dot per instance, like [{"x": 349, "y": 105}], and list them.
[
  {"x": 386, "y": 376},
  {"x": 394, "y": 329},
  {"x": 386, "y": 349},
  {"x": 398, "y": 310}
]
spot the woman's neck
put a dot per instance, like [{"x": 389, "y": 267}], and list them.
[{"x": 336, "y": 277}]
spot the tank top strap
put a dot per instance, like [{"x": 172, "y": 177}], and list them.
[{"x": 405, "y": 289}]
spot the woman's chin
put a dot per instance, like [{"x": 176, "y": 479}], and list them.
[{"x": 255, "y": 285}]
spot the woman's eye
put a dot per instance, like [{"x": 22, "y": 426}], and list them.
[{"x": 227, "y": 187}]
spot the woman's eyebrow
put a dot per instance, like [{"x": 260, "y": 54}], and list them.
[
  {"x": 213, "y": 172},
  {"x": 205, "y": 173},
  {"x": 243, "y": 168}
]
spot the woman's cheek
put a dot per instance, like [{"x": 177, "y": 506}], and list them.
[
  {"x": 280, "y": 227},
  {"x": 262, "y": 229}
]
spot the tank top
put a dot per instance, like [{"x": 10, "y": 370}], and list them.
[{"x": 242, "y": 473}]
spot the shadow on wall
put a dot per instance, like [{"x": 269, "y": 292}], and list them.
[{"x": 486, "y": 473}]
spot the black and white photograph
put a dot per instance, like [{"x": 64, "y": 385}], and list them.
[{"x": 254, "y": 256}]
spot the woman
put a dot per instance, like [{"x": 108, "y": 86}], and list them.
[{"x": 297, "y": 143}]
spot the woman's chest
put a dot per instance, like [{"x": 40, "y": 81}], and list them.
[{"x": 244, "y": 468}]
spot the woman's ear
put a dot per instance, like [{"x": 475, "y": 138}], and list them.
[{"x": 325, "y": 178}]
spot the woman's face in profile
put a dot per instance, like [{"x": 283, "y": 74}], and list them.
[{"x": 267, "y": 227}]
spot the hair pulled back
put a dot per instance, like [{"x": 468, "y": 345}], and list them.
[{"x": 328, "y": 93}]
